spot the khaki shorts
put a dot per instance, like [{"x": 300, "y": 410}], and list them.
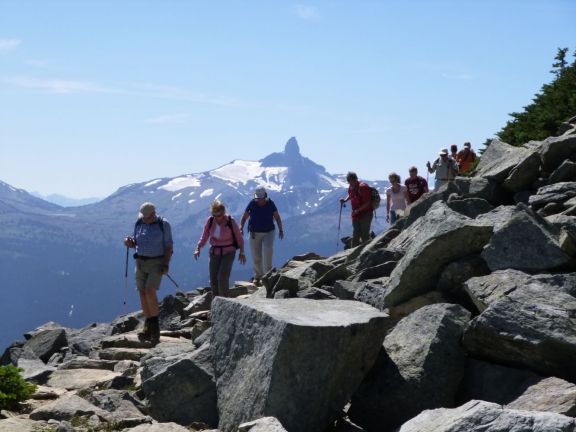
[{"x": 148, "y": 273}]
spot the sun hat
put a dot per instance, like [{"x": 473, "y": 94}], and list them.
[{"x": 443, "y": 151}]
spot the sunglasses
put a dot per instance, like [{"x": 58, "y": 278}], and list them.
[{"x": 217, "y": 214}]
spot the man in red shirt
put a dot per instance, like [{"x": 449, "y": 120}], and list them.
[
  {"x": 417, "y": 186},
  {"x": 361, "y": 199}
]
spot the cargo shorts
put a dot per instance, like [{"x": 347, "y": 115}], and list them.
[{"x": 148, "y": 273}]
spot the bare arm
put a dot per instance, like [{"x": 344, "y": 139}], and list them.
[
  {"x": 278, "y": 220},
  {"x": 243, "y": 221}
]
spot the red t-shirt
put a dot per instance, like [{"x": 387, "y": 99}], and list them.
[
  {"x": 359, "y": 196},
  {"x": 416, "y": 187}
]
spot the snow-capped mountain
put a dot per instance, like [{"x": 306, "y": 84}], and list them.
[{"x": 74, "y": 256}]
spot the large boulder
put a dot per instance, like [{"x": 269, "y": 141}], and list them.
[
  {"x": 457, "y": 272},
  {"x": 421, "y": 206},
  {"x": 302, "y": 276},
  {"x": 470, "y": 207},
  {"x": 525, "y": 242},
  {"x": 485, "y": 290},
  {"x": 86, "y": 339},
  {"x": 75, "y": 379},
  {"x": 495, "y": 383},
  {"x": 480, "y": 416},
  {"x": 480, "y": 187},
  {"x": 46, "y": 343},
  {"x": 499, "y": 159},
  {"x": 119, "y": 403},
  {"x": 532, "y": 326},
  {"x": 556, "y": 193},
  {"x": 556, "y": 150},
  {"x": 411, "y": 374},
  {"x": 438, "y": 238},
  {"x": 184, "y": 391},
  {"x": 297, "y": 360},
  {"x": 524, "y": 174},
  {"x": 566, "y": 172},
  {"x": 67, "y": 407},
  {"x": 549, "y": 394}
]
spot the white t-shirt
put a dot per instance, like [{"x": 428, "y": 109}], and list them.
[{"x": 397, "y": 200}]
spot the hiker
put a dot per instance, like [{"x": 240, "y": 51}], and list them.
[
  {"x": 415, "y": 185},
  {"x": 445, "y": 167},
  {"x": 361, "y": 198},
  {"x": 454, "y": 151},
  {"x": 396, "y": 198},
  {"x": 225, "y": 237},
  {"x": 152, "y": 239},
  {"x": 466, "y": 157},
  {"x": 262, "y": 213}
]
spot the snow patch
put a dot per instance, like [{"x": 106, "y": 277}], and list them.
[
  {"x": 191, "y": 201},
  {"x": 206, "y": 193},
  {"x": 176, "y": 196},
  {"x": 180, "y": 183},
  {"x": 240, "y": 171},
  {"x": 337, "y": 183},
  {"x": 153, "y": 182}
]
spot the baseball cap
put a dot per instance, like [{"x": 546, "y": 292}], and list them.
[
  {"x": 260, "y": 192},
  {"x": 147, "y": 209}
]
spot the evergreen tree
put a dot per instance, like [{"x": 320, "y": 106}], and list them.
[{"x": 554, "y": 104}]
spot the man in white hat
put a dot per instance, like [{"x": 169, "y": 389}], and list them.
[
  {"x": 152, "y": 239},
  {"x": 262, "y": 213},
  {"x": 445, "y": 167}
]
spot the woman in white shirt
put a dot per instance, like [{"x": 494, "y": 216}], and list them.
[{"x": 396, "y": 198}]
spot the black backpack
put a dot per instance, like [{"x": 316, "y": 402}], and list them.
[
  {"x": 229, "y": 225},
  {"x": 159, "y": 220},
  {"x": 374, "y": 197}
]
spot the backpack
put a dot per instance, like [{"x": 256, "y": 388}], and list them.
[
  {"x": 159, "y": 220},
  {"x": 229, "y": 225},
  {"x": 374, "y": 197}
]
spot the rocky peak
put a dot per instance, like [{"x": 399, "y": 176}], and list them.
[{"x": 292, "y": 150}]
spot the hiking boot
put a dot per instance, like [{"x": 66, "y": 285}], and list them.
[
  {"x": 257, "y": 282},
  {"x": 154, "y": 331},
  {"x": 144, "y": 335}
]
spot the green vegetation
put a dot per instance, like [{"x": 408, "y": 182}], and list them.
[
  {"x": 13, "y": 388},
  {"x": 554, "y": 104}
]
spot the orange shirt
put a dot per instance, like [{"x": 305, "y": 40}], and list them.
[{"x": 465, "y": 159}]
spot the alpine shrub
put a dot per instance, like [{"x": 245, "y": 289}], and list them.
[{"x": 13, "y": 388}]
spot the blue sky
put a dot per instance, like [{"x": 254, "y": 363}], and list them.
[{"x": 99, "y": 94}]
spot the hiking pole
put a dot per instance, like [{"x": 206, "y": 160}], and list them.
[
  {"x": 339, "y": 224},
  {"x": 126, "y": 276},
  {"x": 173, "y": 281}
]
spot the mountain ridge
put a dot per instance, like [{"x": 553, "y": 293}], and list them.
[{"x": 67, "y": 246}]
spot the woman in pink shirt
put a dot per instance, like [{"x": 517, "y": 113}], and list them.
[{"x": 225, "y": 237}]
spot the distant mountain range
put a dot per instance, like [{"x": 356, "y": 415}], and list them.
[
  {"x": 65, "y": 201},
  {"x": 67, "y": 264}
]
